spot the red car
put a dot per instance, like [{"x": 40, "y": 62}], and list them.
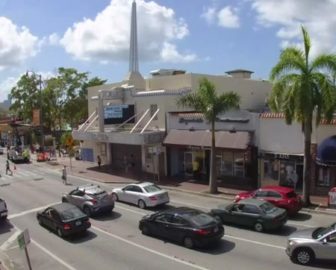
[{"x": 282, "y": 197}]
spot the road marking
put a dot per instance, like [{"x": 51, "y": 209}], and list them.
[
  {"x": 31, "y": 211},
  {"x": 150, "y": 250},
  {"x": 254, "y": 242},
  {"x": 138, "y": 212},
  {"x": 53, "y": 255},
  {"x": 10, "y": 240}
]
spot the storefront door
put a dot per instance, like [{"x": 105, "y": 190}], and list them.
[{"x": 187, "y": 163}]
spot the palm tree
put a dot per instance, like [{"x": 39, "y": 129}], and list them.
[
  {"x": 206, "y": 101},
  {"x": 303, "y": 89}
]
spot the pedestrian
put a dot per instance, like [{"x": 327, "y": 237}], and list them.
[
  {"x": 99, "y": 161},
  {"x": 64, "y": 175},
  {"x": 8, "y": 168}
]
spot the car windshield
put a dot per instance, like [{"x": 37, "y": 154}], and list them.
[
  {"x": 71, "y": 213},
  {"x": 152, "y": 188},
  {"x": 319, "y": 232},
  {"x": 267, "y": 207},
  {"x": 201, "y": 219}
]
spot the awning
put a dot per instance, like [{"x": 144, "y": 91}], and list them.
[
  {"x": 202, "y": 138},
  {"x": 326, "y": 152}
]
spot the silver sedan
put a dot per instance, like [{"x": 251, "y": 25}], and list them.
[
  {"x": 143, "y": 194},
  {"x": 306, "y": 245}
]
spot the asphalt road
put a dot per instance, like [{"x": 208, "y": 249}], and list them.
[{"x": 115, "y": 242}]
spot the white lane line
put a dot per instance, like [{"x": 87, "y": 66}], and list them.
[
  {"x": 254, "y": 242},
  {"x": 150, "y": 250},
  {"x": 138, "y": 212},
  {"x": 300, "y": 225},
  {"x": 51, "y": 254},
  {"x": 31, "y": 211},
  {"x": 10, "y": 240}
]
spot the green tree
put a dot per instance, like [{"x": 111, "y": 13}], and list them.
[
  {"x": 302, "y": 88},
  {"x": 26, "y": 96},
  {"x": 206, "y": 101}
]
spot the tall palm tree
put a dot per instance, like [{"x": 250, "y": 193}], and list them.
[
  {"x": 206, "y": 101},
  {"x": 303, "y": 89}
]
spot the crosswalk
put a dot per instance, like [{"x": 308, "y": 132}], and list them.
[{"x": 20, "y": 175}]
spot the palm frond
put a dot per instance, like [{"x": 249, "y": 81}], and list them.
[{"x": 306, "y": 41}]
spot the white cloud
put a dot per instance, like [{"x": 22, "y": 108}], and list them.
[
  {"x": 6, "y": 86},
  {"x": 106, "y": 37},
  {"x": 209, "y": 15},
  {"x": 317, "y": 16},
  {"x": 227, "y": 17},
  {"x": 54, "y": 39},
  {"x": 170, "y": 54},
  {"x": 16, "y": 44}
]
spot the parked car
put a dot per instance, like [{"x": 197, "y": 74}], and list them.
[
  {"x": 282, "y": 197},
  {"x": 305, "y": 246},
  {"x": 43, "y": 156},
  {"x": 3, "y": 210},
  {"x": 92, "y": 199},
  {"x": 18, "y": 155},
  {"x": 191, "y": 227},
  {"x": 64, "y": 218},
  {"x": 253, "y": 213},
  {"x": 1, "y": 151},
  {"x": 144, "y": 194}
]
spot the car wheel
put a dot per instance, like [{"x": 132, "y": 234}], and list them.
[
  {"x": 303, "y": 256},
  {"x": 87, "y": 211},
  {"x": 141, "y": 204},
  {"x": 115, "y": 197},
  {"x": 64, "y": 200},
  {"x": 188, "y": 242},
  {"x": 145, "y": 230},
  {"x": 258, "y": 227},
  {"x": 60, "y": 232}
]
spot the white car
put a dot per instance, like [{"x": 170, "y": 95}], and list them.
[{"x": 144, "y": 194}]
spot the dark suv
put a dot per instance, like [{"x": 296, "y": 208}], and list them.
[
  {"x": 91, "y": 199},
  {"x": 3, "y": 210}
]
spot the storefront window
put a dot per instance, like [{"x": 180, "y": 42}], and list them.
[
  {"x": 288, "y": 175},
  {"x": 271, "y": 171},
  {"x": 227, "y": 166},
  {"x": 239, "y": 164},
  {"x": 323, "y": 177}
]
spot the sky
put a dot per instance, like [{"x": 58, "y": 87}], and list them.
[{"x": 199, "y": 36}]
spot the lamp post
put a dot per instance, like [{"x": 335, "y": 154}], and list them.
[{"x": 40, "y": 105}]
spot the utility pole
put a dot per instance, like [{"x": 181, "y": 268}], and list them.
[{"x": 41, "y": 113}]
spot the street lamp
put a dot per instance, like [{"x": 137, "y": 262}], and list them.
[{"x": 40, "y": 105}]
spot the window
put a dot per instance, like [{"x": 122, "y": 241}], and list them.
[
  {"x": 137, "y": 189},
  {"x": 129, "y": 188},
  {"x": 323, "y": 177},
  {"x": 250, "y": 209},
  {"x": 260, "y": 194},
  {"x": 239, "y": 164},
  {"x": 178, "y": 220},
  {"x": 153, "y": 109},
  {"x": 273, "y": 194},
  {"x": 227, "y": 163},
  {"x": 163, "y": 218}
]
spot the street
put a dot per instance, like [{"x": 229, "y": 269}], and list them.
[{"x": 115, "y": 242}]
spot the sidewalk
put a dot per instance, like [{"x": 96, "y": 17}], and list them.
[{"x": 104, "y": 174}]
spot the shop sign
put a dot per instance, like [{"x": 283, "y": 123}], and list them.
[{"x": 281, "y": 156}]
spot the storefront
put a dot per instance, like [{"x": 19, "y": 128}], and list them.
[
  {"x": 325, "y": 166},
  {"x": 281, "y": 169},
  {"x": 188, "y": 156}
]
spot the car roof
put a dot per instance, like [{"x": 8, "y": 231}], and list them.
[
  {"x": 144, "y": 184},
  {"x": 91, "y": 188},
  {"x": 179, "y": 210},
  {"x": 255, "y": 202},
  {"x": 63, "y": 207},
  {"x": 277, "y": 188}
]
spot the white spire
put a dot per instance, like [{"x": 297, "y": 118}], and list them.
[{"x": 133, "y": 55}]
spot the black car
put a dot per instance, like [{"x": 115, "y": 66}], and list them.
[
  {"x": 64, "y": 218},
  {"x": 188, "y": 226},
  {"x": 254, "y": 213}
]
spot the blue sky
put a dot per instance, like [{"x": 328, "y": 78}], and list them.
[{"x": 200, "y": 36}]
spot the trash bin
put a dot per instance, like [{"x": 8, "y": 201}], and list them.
[{"x": 332, "y": 198}]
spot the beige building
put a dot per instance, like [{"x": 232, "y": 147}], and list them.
[{"x": 134, "y": 144}]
